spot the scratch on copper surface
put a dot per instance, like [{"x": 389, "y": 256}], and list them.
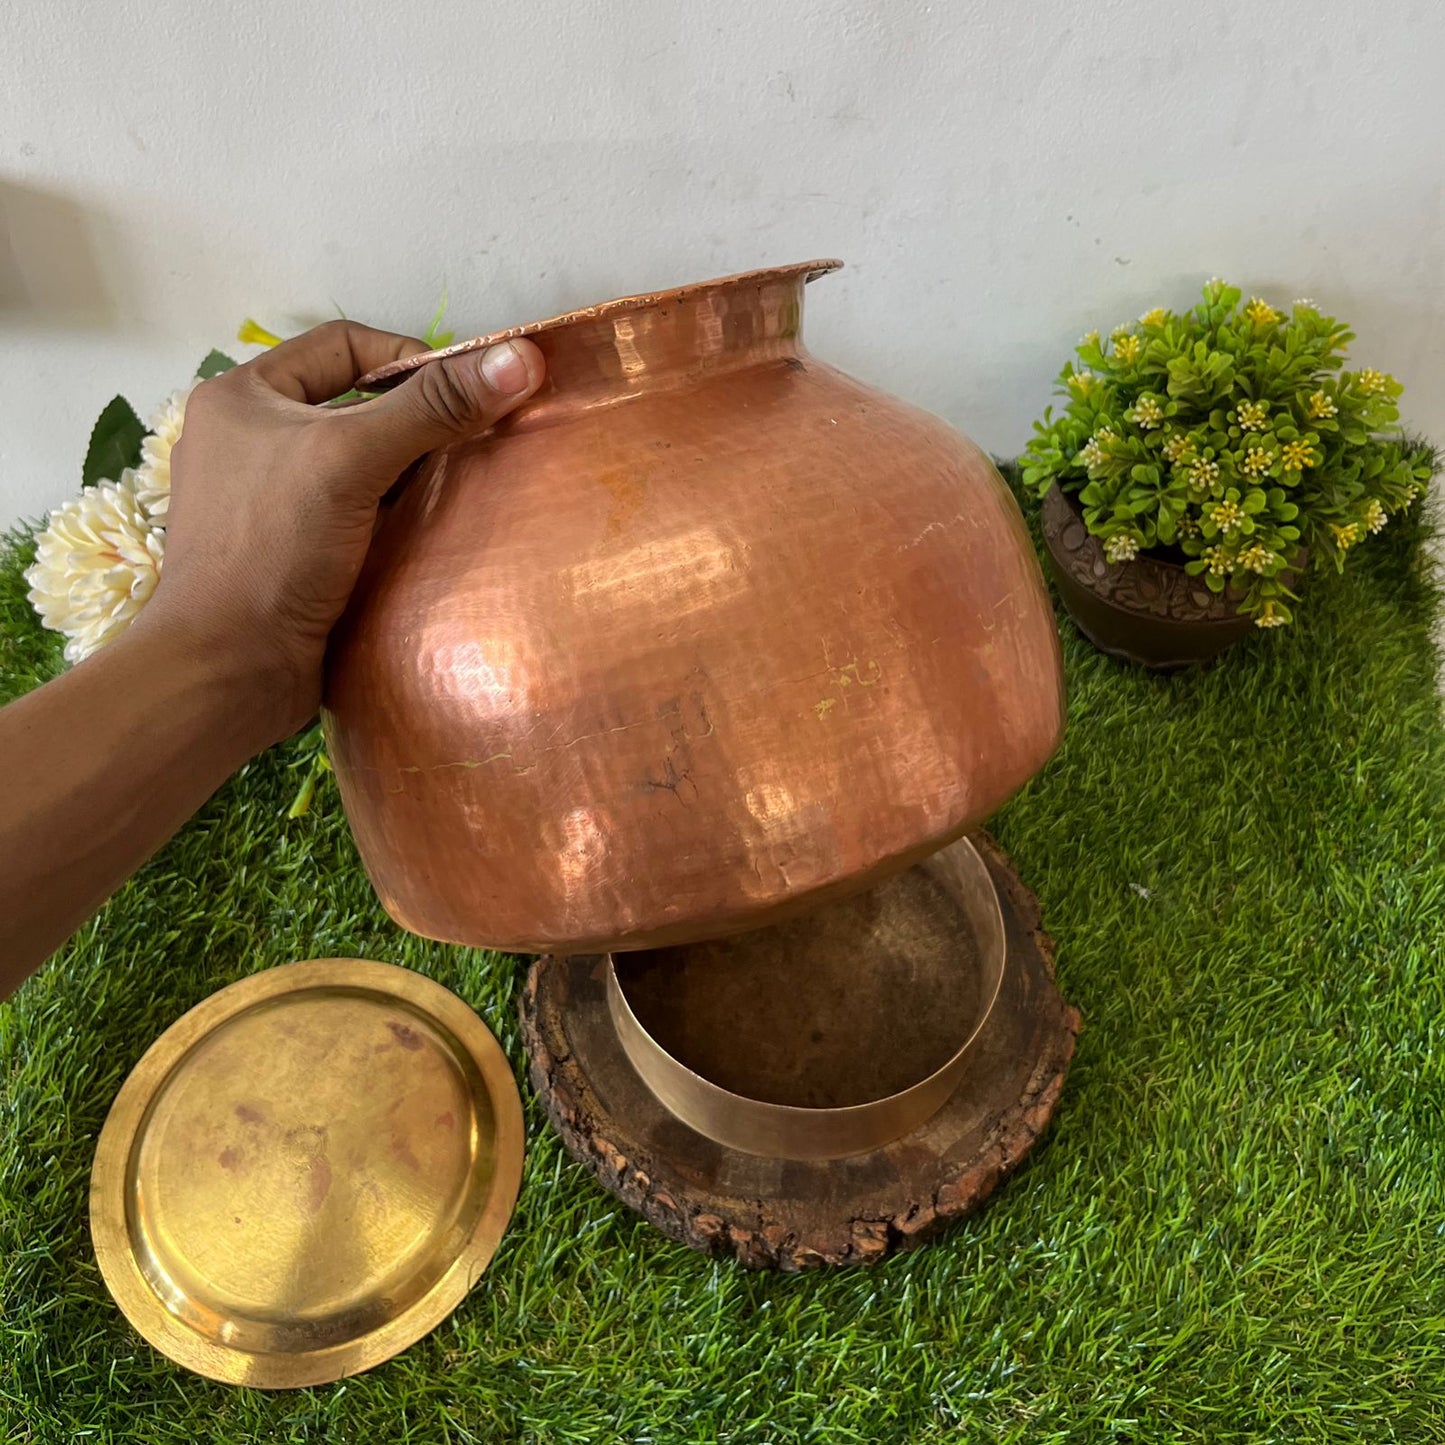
[
  {"x": 463, "y": 763},
  {"x": 931, "y": 527},
  {"x": 867, "y": 674},
  {"x": 1008, "y": 596},
  {"x": 587, "y": 737}
]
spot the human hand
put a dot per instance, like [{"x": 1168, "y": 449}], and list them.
[{"x": 274, "y": 498}]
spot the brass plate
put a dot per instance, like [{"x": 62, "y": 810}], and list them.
[{"x": 306, "y": 1173}]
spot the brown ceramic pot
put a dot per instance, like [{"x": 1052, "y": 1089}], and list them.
[
  {"x": 705, "y": 634},
  {"x": 1147, "y": 611}
]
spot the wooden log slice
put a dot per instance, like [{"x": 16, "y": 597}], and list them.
[{"x": 790, "y": 1214}]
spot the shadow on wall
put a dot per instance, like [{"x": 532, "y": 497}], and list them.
[{"x": 49, "y": 266}]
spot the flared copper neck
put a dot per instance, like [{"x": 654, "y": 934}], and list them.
[{"x": 603, "y": 354}]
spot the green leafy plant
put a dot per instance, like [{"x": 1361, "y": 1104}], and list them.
[{"x": 1229, "y": 438}]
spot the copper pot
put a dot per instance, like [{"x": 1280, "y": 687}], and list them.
[{"x": 705, "y": 634}]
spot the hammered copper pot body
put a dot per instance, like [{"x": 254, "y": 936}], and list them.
[{"x": 704, "y": 634}]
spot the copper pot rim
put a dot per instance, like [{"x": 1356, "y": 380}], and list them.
[
  {"x": 382, "y": 378},
  {"x": 797, "y": 1132}
]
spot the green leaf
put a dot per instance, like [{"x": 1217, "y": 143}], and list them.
[
  {"x": 434, "y": 336},
  {"x": 301, "y": 803},
  {"x": 215, "y": 363},
  {"x": 114, "y": 443}
]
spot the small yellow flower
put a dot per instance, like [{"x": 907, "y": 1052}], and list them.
[
  {"x": 1146, "y": 413},
  {"x": 1346, "y": 536},
  {"x": 1255, "y": 463},
  {"x": 1217, "y": 562},
  {"x": 1372, "y": 382},
  {"x": 1256, "y": 557},
  {"x": 1081, "y": 381},
  {"x": 1155, "y": 316},
  {"x": 1127, "y": 348},
  {"x": 1251, "y": 416},
  {"x": 1296, "y": 456},
  {"x": 1321, "y": 405},
  {"x": 1269, "y": 616},
  {"x": 1177, "y": 447},
  {"x": 1227, "y": 516},
  {"x": 254, "y": 334},
  {"x": 1376, "y": 516},
  {"x": 1089, "y": 338},
  {"x": 1261, "y": 312},
  {"x": 1121, "y": 548},
  {"x": 1188, "y": 526}
]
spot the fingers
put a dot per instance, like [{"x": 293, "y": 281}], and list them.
[
  {"x": 323, "y": 362},
  {"x": 443, "y": 401}
]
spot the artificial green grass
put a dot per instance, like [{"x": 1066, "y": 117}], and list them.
[{"x": 1234, "y": 1231}]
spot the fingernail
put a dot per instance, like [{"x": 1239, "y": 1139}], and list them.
[{"x": 504, "y": 370}]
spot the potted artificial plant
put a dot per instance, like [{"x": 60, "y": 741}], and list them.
[{"x": 1201, "y": 461}]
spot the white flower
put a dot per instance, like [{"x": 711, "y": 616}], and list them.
[
  {"x": 1255, "y": 462},
  {"x": 95, "y": 566},
  {"x": 153, "y": 476},
  {"x": 1304, "y": 301},
  {"x": 1251, "y": 416},
  {"x": 1147, "y": 413},
  {"x": 1202, "y": 474},
  {"x": 1121, "y": 548}
]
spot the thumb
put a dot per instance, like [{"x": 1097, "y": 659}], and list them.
[{"x": 444, "y": 402}]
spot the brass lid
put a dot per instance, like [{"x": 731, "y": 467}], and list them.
[{"x": 306, "y": 1173}]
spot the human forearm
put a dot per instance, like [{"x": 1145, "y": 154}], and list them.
[
  {"x": 100, "y": 767},
  {"x": 271, "y": 507}
]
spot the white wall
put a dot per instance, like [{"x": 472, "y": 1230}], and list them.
[{"x": 999, "y": 174}]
